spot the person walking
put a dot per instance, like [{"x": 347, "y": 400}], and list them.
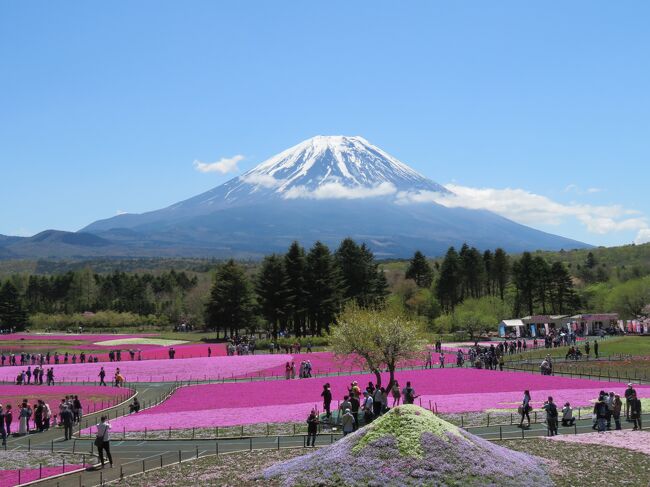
[
  {"x": 596, "y": 348},
  {"x": 67, "y": 419},
  {"x": 102, "y": 376},
  {"x": 635, "y": 412},
  {"x": 428, "y": 363},
  {"x": 102, "y": 440},
  {"x": 312, "y": 428},
  {"x": 524, "y": 409},
  {"x": 347, "y": 422},
  {"x": 397, "y": 395}
]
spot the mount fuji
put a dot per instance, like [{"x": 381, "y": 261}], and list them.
[{"x": 325, "y": 188}]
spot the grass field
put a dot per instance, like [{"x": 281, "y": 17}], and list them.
[{"x": 629, "y": 345}]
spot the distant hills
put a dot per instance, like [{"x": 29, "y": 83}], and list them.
[{"x": 326, "y": 188}]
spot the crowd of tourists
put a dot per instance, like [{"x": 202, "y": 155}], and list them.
[
  {"x": 304, "y": 371},
  {"x": 608, "y": 408},
  {"x": 359, "y": 406},
  {"x": 39, "y": 417},
  {"x": 289, "y": 348},
  {"x": 49, "y": 358},
  {"x": 240, "y": 345}
]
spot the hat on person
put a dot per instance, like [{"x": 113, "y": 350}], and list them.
[
  {"x": 630, "y": 384},
  {"x": 347, "y": 410}
]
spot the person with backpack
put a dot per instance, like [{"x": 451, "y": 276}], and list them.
[
  {"x": 312, "y": 428},
  {"x": 67, "y": 419},
  {"x": 600, "y": 412},
  {"x": 102, "y": 440},
  {"x": 551, "y": 416},
  {"x": 408, "y": 393}
]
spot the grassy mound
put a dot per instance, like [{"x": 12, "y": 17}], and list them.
[{"x": 411, "y": 446}]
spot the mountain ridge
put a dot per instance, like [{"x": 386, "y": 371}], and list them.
[{"x": 325, "y": 188}]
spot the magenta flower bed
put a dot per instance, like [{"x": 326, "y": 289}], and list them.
[
  {"x": 92, "y": 397},
  {"x": 452, "y": 391},
  {"x": 162, "y": 370},
  {"x": 9, "y": 478}
]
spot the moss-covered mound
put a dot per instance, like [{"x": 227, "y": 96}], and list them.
[{"x": 411, "y": 446}]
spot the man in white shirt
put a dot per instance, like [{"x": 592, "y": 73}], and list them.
[{"x": 102, "y": 440}]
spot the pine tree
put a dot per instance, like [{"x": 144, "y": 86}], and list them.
[
  {"x": 523, "y": 274},
  {"x": 357, "y": 268},
  {"x": 273, "y": 292},
  {"x": 488, "y": 266},
  {"x": 12, "y": 312},
  {"x": 419, "y": 270},
  {"x": 230, "y": 307},
  {"x": 295, "y": 266},
  {"x": 564, "y": 299},
  {"x": 324, "y": 288},
  {"x": 501, "y": 270},
  {"x": 542, "y": 282},
  {"x": 448, "y": 288}
]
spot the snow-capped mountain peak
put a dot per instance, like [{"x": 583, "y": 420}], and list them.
[{"x": 327, "y": 163}]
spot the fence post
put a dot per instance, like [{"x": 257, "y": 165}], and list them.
[
  {"x": 179, "y": 456},
  {"x": 500, "y": 433}
]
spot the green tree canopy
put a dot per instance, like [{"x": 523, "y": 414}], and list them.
[
  {"x": 379, "y": 337},
  {"x": 230, "y": 307},
  {"x": 419, "y": 270}
]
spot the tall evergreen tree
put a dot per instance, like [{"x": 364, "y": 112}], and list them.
[
  {"x": 230, "y": 307},
  {"x": 272, "y": 291},
  {"x": 501, "y": 270},
  {"x": 419, "y": 270},
  {"x": 324, "y": 288},
  {"x": 564, "y": 299},
  {"x": 448, "y": 288},
  {"x": 488, "y": 265},
  {"x": 295, "y": 266},
  {"x": 473, "y": 271},
  {"x": 542, "y": 278},
  {"x": 12, "y": 312},
  {"x": 523, "y": 274},
  {"x": 358, "y": 271}
]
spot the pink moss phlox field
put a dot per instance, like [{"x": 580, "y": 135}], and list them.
[
  {"x": 161, "y": 370},
  {"x": 328, "y": 363},
  {"x": 451, "y": 390},
  {"x": 9, "y": 478},
  {"x": 631, "y": 440},
  {"x": 91, "y": 397}
]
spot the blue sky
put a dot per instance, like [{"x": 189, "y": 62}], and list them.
[{"x": 538, "y": 111}]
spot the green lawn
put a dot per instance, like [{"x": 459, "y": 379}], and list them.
[{"x": 631, "y": 345}]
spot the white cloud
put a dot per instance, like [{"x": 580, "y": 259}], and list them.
[
  {"x": 339, "y": 191},
  {"x": 121, "y": 212},
  {"x": 224, "y": 165},
  {"x": 529, "y": 208},
  {"x": 643, "y": 236},
  {"x": 574, "y": 188},
  {"x": 264, "y": 180}
]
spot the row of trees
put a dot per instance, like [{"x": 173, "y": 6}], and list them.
[
  {"x": 82, "y": 291},
  {"x": 300, "y": 292}
]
